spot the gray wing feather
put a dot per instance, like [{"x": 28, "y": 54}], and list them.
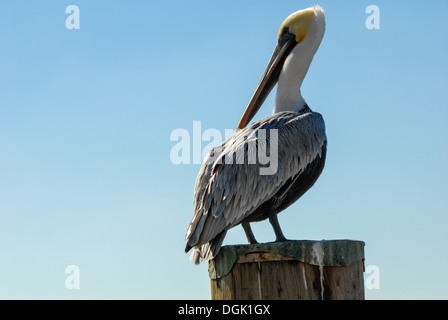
[{"x": 225, "y": 194}]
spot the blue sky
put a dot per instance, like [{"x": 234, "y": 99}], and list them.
[{"x": 86, "y": 115}]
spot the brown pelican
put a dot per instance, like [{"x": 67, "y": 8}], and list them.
[{"x": 230, "y": 189}]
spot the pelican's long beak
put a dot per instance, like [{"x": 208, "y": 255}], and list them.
[{"x": 270, "y": 77}]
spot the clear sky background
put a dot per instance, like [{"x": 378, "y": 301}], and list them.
[{"x": 86, "y": 115}]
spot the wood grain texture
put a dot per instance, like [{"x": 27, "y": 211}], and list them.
[{"x": 270, "y": 276}]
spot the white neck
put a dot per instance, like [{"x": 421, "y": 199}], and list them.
[{"x": 289, "y": 97}]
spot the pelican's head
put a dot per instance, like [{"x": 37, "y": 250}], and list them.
[
  {"x": 298, "y": 39},
  {"x": 299, "y": 24}
]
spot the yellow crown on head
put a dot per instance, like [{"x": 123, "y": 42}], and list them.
[{"x": 299, "y": 22}]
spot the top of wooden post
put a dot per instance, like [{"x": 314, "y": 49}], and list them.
[{"x": 320, "y": 253}]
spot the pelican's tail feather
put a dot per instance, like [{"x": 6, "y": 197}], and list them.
[{"x": 208, "y": 250}]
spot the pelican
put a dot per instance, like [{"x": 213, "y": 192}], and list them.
[{"x": 229, "y": 193}]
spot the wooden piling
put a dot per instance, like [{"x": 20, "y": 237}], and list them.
[{"x": 292, "y": 270}]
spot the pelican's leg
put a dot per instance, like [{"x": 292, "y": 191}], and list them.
[
  {"x": 249, "y": 234},
  {"x": 278, "y": 231}
]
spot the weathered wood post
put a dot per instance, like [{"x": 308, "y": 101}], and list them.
[{"x": 310, "y": 270}]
